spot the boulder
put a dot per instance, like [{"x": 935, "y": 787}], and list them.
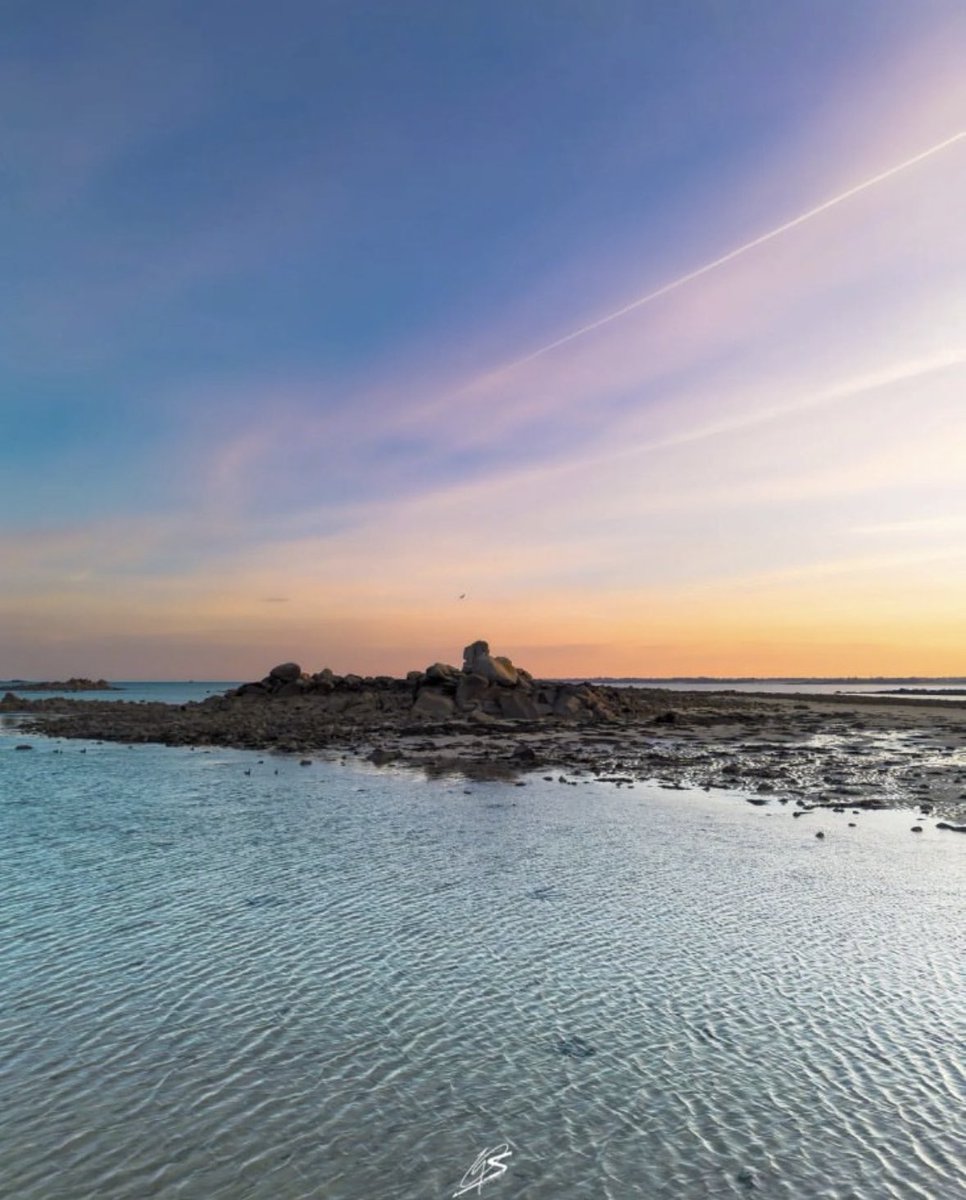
[
  {"x": 506, "y": 672},
  {"x": 470, "y": 690},
  {"x": 252, "y": 689},
  {"x": 433, "y": 704},
  {"x": 477, "y": 660},
  {"x": 442, "y": 673},
  {"x": 567, "y": 706},
  {"x": 523, "y": 753},
  {"x": 516, "y": 705},
  {"x": 285, "y": 673}
]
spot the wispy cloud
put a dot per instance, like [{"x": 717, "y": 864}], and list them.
[{"x": 745, "y": 248}]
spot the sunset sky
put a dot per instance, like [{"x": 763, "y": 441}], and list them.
[{"x": 642, "y": 325}]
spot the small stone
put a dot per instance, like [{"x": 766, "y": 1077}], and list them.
[{"x": 523, "y": 754}]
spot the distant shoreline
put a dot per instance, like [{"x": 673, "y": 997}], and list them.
[
  {"x": 722, "y": 681},
  {"x": 75, "y": 684},
  {"x": 726, "y": 681}
]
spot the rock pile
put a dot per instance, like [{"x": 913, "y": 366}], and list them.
[
  {"x": 485, "y": 689},
  {"x": 289, "y": 680},
  {"x": 489, "y": 687}
]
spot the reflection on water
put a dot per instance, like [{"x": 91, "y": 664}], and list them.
[{"x": 347, "y": 984}]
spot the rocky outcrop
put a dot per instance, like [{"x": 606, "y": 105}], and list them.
[
  {"x": 485, "y": 689},
  {"x": 477, "y": 660},
  {"x": 490, "y": 687}
]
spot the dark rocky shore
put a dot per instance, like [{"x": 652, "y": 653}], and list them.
[{"x": 489, "y": 718}]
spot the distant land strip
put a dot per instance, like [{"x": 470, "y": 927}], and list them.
[
  {"x": 73, "y": 684},
  {"x": 829, "y": 679}
]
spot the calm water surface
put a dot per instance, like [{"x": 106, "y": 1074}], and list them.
[
  {"x": 337, "y": 983},
  {"x": 164, "y": 692}
]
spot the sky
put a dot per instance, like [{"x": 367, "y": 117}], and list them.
[{"x": 629, "y": 337}]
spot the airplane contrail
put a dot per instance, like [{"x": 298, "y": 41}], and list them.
[{"x": 739, "y": 250}]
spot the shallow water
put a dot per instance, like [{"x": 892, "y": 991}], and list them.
[
  {"x": 164, "y": 692},
  {"x": 344, "y": 983}
]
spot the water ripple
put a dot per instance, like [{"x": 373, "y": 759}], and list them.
[{"x": 342, "y": 985}]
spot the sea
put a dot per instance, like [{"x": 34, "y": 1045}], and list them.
[{"x": 228, "y": 976}]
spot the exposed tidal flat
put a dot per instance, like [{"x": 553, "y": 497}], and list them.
[
  {"x": 813, "y": 753},
  {"x": 229, "y": 976}
]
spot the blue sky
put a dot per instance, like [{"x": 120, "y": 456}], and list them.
[{"x": 259, "y": 258}]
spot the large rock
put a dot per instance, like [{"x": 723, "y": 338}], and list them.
[
  {"x": 435, "y": 705},
  {"x": 516, "y": 705},
  {"x": 442, "y": 673},
  {"x": 477, "y": 660},
  {"x": 567, "y": 706},
  {"x": 296, "y": 687},
  {"x": 471, "y": 690},
  {"x": 285, "y": 672}
]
